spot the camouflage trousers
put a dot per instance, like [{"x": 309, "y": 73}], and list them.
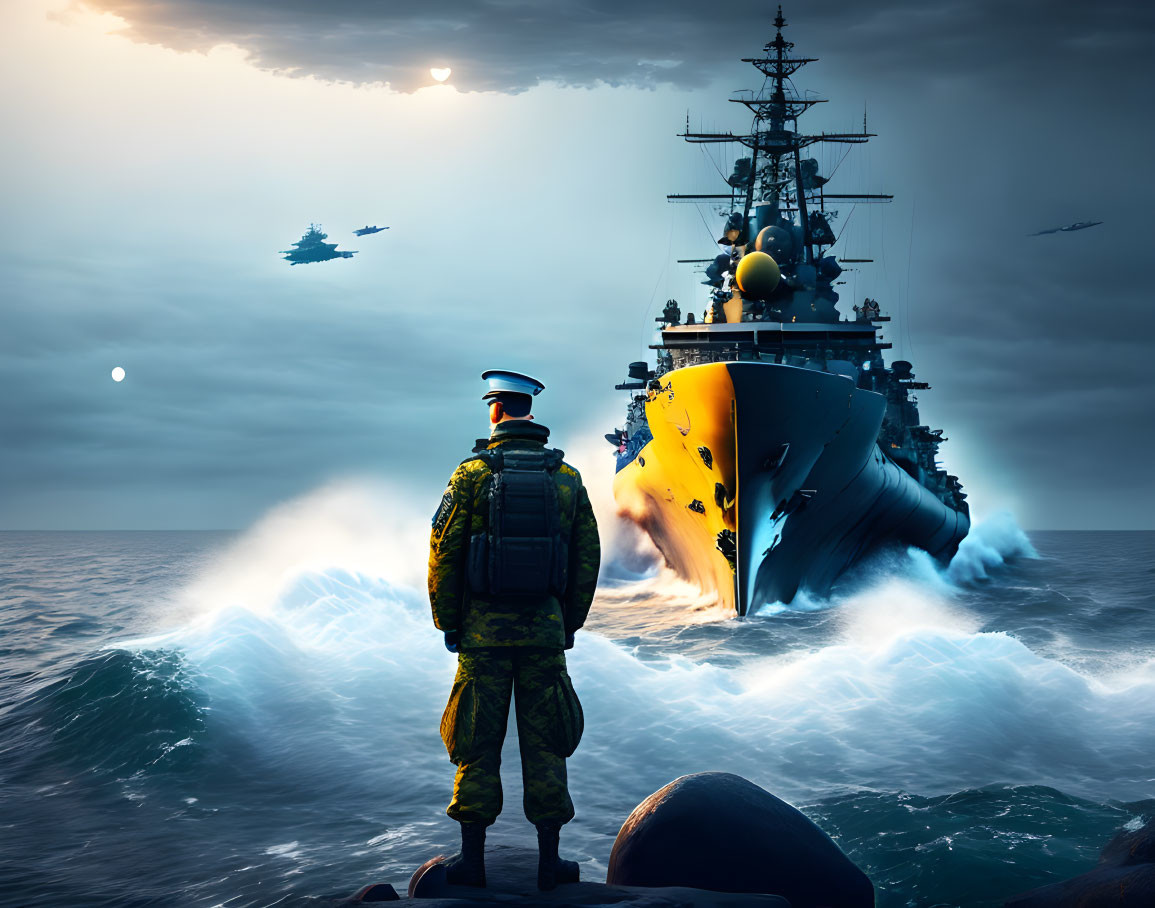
[{"x": 549, "y": 726}]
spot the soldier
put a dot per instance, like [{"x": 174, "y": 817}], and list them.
[{"x": 513, "y": 565}]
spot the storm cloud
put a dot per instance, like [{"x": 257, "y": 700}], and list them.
[{"x": 513, "y": 45}]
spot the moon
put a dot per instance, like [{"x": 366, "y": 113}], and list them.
[
  {"x": 440, "y": 74},
  {"x": 118, "y": 374}
]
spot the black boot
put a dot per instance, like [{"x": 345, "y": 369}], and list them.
[
  {"x": 468, "y": 868},
  {"x": 551, "y": 869}
]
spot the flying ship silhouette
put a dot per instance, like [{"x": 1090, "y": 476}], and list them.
[
  {"x": 1078, "y": 225},
  {"x": 313, "y": 248},
  {"x": 366, "y": 230}
]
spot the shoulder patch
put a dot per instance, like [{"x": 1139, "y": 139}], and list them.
[
  {"x": 567, "y": 470},
  {"x": 441, "y": 518}
]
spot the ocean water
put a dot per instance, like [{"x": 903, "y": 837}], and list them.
[{"x": 252, "y": 719}]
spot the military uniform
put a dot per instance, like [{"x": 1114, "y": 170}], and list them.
[{"x": 510, "y": 647}]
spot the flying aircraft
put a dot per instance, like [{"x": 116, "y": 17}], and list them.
[
  {"x": 366, "y": 230},
  {"x": 313, "y": 248},
  {"x": 1078, "y": 225}
]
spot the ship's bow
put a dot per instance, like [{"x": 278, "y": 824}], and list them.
[{"x": 732, "y": 445}]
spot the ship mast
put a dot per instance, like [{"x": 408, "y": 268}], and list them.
[{"x": 774, "y": 136}]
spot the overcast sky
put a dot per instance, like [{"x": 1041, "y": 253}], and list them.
[{"x": 158, "y": 153}]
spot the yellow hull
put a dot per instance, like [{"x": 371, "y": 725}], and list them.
[
  {"x": 762, "y": 479},
  {"x": 695, "y": 410}
]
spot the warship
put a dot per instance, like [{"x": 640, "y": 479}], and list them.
[
  {"x": 312, "y": 248},
  {"x": 770, "y": 447}
]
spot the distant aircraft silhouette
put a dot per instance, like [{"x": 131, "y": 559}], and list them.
[
  {"x": 1078, "y": 225},
  {"x": 313, "y": 248},
  {"x": 366, "y": 230}
]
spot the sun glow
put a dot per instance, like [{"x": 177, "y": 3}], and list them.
[{"x": 440, "y": 74}]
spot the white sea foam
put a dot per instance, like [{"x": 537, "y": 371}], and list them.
[
  {"x": 627, "y": 552},
  {"x": 337, "y": 665},
  {"x": 988, "y": 546},
  {"x": 357, "y": 525}
]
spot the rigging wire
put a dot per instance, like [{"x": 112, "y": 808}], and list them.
[
  {"x": 709, "y": 232},
  {"x": 909, "y": 259},
  {"x": 657, "y": 283},
  {"x": 830, "y": 176},
  {"x": 710, "y": 157},
  {"x": 854, "y": 288},
  {"x": 897, "y": 301},
  {"x": 698, "y": 205},
  {"x": 853, "y": 208}
]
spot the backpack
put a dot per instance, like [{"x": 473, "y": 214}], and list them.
[{"x": 522, "y": 554}]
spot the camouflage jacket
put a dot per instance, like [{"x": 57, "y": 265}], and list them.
[{"x": 464, "y": 511}]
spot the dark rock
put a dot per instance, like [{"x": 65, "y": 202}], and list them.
[
  {"x": 1124, "y": 878},
  {"x": 1130, "y": 848},
  {"x": 512, "y": 877},
  {"x": 720, "y": 832},
  {"x": 378, "y": 892},
  {"x": 1117, "y": 887},
  {"x": 428, "y": 880}
]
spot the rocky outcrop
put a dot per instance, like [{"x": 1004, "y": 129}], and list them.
[
  {"x": 1123, "y": 878},
  {"x": 718, "y": 831},
  {"x": 711, "y": 840},
  {"x": 511, "y": 874}
]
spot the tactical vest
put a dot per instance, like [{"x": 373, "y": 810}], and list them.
[{"x": 522, "y": 554}]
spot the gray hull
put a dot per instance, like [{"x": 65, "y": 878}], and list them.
[{"x": 815, "y": 491}]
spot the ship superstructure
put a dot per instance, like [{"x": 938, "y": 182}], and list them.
[
  {"x": 770, "y": 447},
  {"x": 312, "y": 248}
]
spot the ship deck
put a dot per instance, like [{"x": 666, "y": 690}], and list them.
[{"x": 771, "y": 334}]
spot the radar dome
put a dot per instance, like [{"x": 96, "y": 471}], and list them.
[
  {"x": 757, "y": 275},
  {"x": 775, "y": 242}
]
